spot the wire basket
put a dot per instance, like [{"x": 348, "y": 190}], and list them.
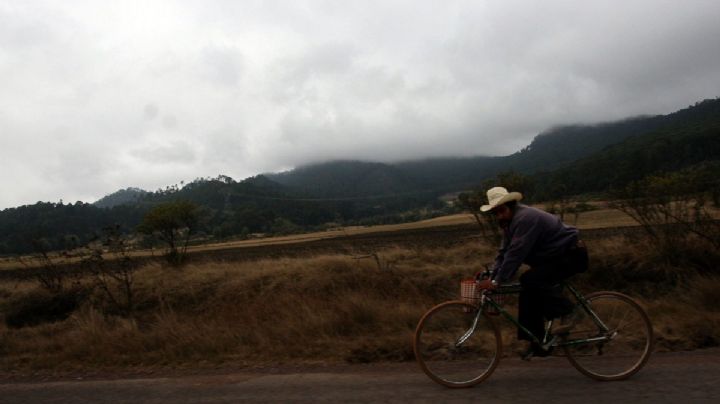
[
  {"x": 499, "y": 299},
  {"x": 469, "y": 292}
]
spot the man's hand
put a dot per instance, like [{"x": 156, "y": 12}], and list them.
[{"x": 486, "y": 284}]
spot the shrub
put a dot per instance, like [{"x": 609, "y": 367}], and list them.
[{"x": 40, "y": 306}]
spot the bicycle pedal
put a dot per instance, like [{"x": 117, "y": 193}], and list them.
[{"x": 548, "y": 346}]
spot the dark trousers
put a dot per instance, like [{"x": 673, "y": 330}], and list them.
[{"x": 541, "y": 297}]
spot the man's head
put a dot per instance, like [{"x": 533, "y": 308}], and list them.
[
  {"x": 504, "y": 213},
  {"x": 502, "y": 204}
]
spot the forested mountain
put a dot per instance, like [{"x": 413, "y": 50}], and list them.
[
  {"x": 565, "y": 144},
  {"x": 549, "y": 150},
  {"x": 560, "y": 162},
  {"x": 688, "y": 138},
  {"x": 341, "y": 179},
  {"x": 569, "y": 159},
  {"x": 121, "y": 197},
  {"x": 228, "y": 208},
  {"x": 48, "y": 226}
]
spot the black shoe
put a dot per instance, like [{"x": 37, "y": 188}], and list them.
[{"x": 535, "y": 350}]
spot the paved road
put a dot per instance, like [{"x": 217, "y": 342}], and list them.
[{"x": 689, "y": 377}]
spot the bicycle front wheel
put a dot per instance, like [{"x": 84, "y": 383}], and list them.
[
  {"x": 618, "y": 352},
  {"x": 456, "y": 346}
]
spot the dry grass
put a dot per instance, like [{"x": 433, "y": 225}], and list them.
[
  {"x": 322, "y": 308},
  {"x": 690, "y": 317},
  {"x": 603, "y": 217}
]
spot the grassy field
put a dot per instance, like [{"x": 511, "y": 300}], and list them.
[
  {"x": 601, "y": 218},
  {"x": 320, "y": 307}
]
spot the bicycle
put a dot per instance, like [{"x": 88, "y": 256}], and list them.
[{"x": 458, "y": 343}]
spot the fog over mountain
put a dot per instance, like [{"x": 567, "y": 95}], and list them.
[
  {"x": 570, "y": 162},
  {"x": 101, "y": 96}
]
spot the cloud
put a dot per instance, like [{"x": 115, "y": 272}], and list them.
[
  {"x": 102, "y": 96},
  {"x": 166, "y": 153}
]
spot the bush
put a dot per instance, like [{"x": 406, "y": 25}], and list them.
[{"x": 41, "y": 306}]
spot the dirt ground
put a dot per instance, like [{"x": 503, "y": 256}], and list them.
[{"x": 691, "y": 377}]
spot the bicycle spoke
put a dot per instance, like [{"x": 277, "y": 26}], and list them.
[
  {"x": 457, "y": 346},
  {"x": 629, "y": 340},
  {"x": 627, "y": 313}
]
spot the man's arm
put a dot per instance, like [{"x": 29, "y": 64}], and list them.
[
  {"x": 524, "y": 236},
  {"x": 500, "y": 257}
]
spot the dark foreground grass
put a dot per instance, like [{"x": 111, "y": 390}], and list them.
[{"x": 329, "y": 308}]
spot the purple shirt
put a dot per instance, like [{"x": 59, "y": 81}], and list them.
[{"x": 533, "y": 237}]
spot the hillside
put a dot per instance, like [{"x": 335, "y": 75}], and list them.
[
  {"x": 565, "y": 144},
  {"x": 689, "y": 136},
  {"x": 551, "y": 149},
  {"x": 689, "y": 139},
  {"x": 346, "y": 179},
  {"x": 122, "y": 197}
]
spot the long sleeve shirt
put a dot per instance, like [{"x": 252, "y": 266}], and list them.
[{"x": 533, "y": 237}]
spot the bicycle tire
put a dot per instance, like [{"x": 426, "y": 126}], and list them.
[
  {"x": 628, "y": 350},
  {"x": 439, "y": 356}
]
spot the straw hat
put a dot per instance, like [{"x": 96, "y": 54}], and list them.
[{"x": 498, "y": 196}]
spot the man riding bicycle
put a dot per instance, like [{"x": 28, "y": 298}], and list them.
[{"x": 553, "y": 251}]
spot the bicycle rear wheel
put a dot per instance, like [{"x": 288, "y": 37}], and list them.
[
  {"x": 629, "y": 338},
  {"x": 451, "y": 351}
]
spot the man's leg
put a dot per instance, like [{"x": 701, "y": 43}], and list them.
[
  {"x": 574, "y": 261},
  {"x": 530, "y": 303},
  {"x": 539, "y": 298}
]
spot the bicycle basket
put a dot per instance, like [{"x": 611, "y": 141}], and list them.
[
  {"x": 499, "y": 299},
  {"x": 469, "y": 292}
]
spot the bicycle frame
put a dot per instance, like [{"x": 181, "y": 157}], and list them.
[{"x": 546, "y": 341}]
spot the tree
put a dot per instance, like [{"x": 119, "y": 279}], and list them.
[
  {"x": 513, "y": 181},
  {"x": 173, "y": 223},
  {"x": 472, "y": 201},
  {"x": 669, "y": 208},
  {"x": 114, "y": 277}
]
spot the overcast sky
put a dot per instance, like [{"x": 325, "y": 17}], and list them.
[{"x": 96, "y": 96}]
